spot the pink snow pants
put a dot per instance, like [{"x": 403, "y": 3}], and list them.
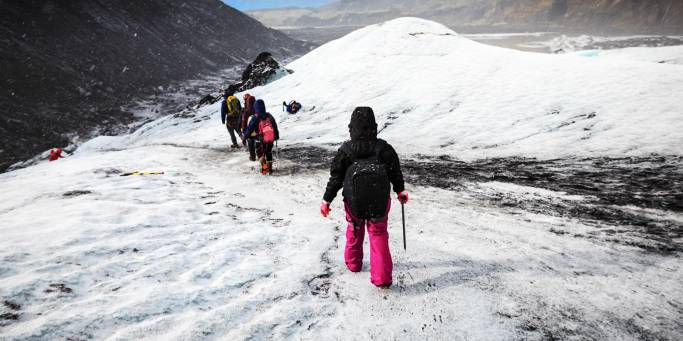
[{"x": 381, "y": 265}]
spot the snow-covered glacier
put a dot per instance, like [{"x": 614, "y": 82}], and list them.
[{"x": 543, "y": 206}]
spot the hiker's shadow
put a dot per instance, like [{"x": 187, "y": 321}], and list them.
[{"x": 464, "y": 272}]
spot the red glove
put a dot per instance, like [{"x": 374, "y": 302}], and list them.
[
  {"x": 325, "y": 208},
  {"x": 403, "y": 197}
]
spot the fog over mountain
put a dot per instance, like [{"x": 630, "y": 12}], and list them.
[
  {"x": 597, "y": 15},
  {"x": 68, "y": 66}
]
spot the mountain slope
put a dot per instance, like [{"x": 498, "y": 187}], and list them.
[
  {"x": 69, "y": 66},
  {"x": 474, "y": 101},
  {"x": 438, "y": 92},
  {"x": 212, "y": 250},
  {"x": 596, "y": 15}
]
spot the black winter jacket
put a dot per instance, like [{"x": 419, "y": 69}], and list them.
[{"x": 362, "y": 149}]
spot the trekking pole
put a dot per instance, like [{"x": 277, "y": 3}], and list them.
[{"x": 403, "y": 217}]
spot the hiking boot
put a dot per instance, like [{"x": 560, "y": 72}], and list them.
[
  {"x": 270, "y": 167},
  {"x": 264, "y": 168},
  {"x": 252, "y": 158}
]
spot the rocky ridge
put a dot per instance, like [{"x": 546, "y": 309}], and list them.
[{"x": 69, "y": 67}]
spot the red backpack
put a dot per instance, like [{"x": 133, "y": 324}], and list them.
[{"x": 266, "y": 130}]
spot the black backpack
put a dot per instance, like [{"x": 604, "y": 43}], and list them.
[{"x": 367, "y": 186}]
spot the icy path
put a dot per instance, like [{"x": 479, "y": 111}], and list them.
[
  {"x": 189, "y": 254},
  {"x": 211, "y": 250}
]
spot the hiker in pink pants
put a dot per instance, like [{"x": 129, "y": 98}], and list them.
[
  {"x": 380, "y": 256},
  {"x": 366, "y": 167}
]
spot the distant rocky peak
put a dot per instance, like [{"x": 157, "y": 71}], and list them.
[{"x": 263, "y": 70}]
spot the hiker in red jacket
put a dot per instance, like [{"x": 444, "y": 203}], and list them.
[
  {"x": 247, "y": 112},
  {"x": 365, "y": 167}
]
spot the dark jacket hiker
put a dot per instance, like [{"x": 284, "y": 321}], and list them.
[
  {"x": 247, "y": 112},
  {"x": 231, "y": 111},
  {"x": 365, "y": 167},
  {"x": 263, "y": 124}
]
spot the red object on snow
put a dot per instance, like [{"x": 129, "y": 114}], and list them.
[{"x": 55, "y": 154}]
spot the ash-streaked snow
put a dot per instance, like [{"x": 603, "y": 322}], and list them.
[{"x": 212, "y": 250}]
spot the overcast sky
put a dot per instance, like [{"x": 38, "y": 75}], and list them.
[{"x": 258, "y": 4}]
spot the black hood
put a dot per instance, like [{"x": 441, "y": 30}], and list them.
[
  {"x": 363, "y": 125},
  {"x": 363, "y": 129}
]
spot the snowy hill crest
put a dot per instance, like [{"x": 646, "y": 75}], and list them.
[{"x": 436, "y": 92}]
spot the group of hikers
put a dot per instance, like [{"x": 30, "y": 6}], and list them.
[
  {"x": 365, "y": 167},
  {"x": 256, "y": 128}
]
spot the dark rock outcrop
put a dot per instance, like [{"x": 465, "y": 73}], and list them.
[
  {"x": 68, "y": 66},
  {"x": 262, "y": 71}
]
